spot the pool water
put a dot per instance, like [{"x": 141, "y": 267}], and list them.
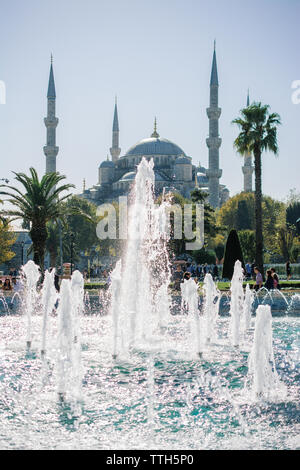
[{"x": 154, "y": 397}]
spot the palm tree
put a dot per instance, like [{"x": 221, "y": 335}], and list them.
[
  {"x": 39, "y": 203},
  {"x": 258, "y": 134}
]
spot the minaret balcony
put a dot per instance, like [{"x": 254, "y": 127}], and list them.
[
  {"x": 51, "y": 150},
  {"x": 213, "y": 113},
  {"x": 51, "y": 122},
  {"x": 247, "y": 170},
  {"x": 213, "y": 142},
  {"x": 213, "y": 173}
]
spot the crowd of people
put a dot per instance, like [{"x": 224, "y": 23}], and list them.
[
  {"x": 186, "y": 270},
  {"x": 180, "y": 270}
]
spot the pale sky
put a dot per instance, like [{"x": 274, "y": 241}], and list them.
[{"x": 156, "y": 56}]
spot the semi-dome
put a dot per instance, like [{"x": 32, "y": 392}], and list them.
[
  {"x": 130, "y": 176},
  {"x": 107, "y": 164},
  {"x": 182, "y": 161},
  {"x": 155, "y": 146}
]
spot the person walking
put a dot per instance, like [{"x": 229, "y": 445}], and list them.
[{"x": 258, "y": 279}]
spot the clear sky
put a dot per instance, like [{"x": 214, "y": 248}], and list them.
[{"x": 156, "y": 56}]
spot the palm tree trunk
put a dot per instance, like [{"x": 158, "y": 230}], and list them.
[
  {"x": 53, "y": 256},
  {"x": 259, "y": 243},
  {"x": 38, "y": 234}
]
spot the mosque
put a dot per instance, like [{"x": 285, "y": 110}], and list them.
[{"x": 173, "y": 169}]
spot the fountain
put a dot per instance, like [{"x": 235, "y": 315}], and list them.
[
  {"x": 69, "y": 347},
  {"x": 262, "y": 374},
  {"x": 247, "y": 308},
  {"x": 190, "y": 301},
  {"x": 236, "y": 303},
  {"x": 130, "y": 377},
  {"x": 32, "y": 275},
  {"x": 145, "y": 267},
  {"x": 211, "y": 307},
  {"x": 49, "y": 297}
]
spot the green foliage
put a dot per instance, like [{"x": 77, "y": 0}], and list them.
[
  {"x": 258, "y": 130},
  {"x": 293, "y": 214},
  {"x": 39, "y": 202},
  {"x": 273, "y": 214},
  {"x": 247, "y": 242},
  {"x": 258, "y": 133},
  {"x": 233, "y": 252},
  {"x": 204, "y": 256},
  {"x": 80, "y": 221},
  {"x": 219, "y": 250},
  {"x": 243, "y": 217},
  {"x": 211, "y": 228},
  {"x": 197, "y": 195},
  {"x": 7, "y": 239}
]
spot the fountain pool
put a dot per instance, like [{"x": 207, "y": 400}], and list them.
[
  {"x": 193, "y": 403},
  {"x": 145, "y": 370}
]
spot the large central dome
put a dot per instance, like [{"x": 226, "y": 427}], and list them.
[{"x": 155, "y": 146}]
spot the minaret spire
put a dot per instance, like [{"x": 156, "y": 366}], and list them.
[
  {"x": 248, "y": 168},
  {"x": 155, "y": 133},
  {"x": 115, "y": 149},
  {"x": 213, "y": 142},
  {"x": 51, "y": 121}
]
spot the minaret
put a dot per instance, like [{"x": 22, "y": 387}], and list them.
[
  {"x": 50, "y": 150},
  {"x": 248, "y": 167},
  {"x": 115, "y": 149},
  {"x": 213, "y": 142}
]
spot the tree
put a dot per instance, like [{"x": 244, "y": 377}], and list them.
[
  {"x": 293, "y": 214},
  {"x": 258, "y": 134},
  {"x": 233, "y": 253},
  {"x": 247, "y": 241},
  {"x": 274, "y": 214},
  {"x": 219, "y": 250},
  {"x": 177, "y": 246},
  {"x": 7, "y": 239},
  {"x": 243, "y": 217},
  {"x": 39, "y": 203},
  {"x": 81, "y": 221}
]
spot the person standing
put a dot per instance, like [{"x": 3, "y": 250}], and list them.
[
  {"x": 258, "y": 279},
  {"x": 275, "y": 279},
  {"x": 269, "y": 284},
  {"x": 248, "y": 270},
  {"x": 215, "y": 273},
  {"x": 177, "y": 276}
]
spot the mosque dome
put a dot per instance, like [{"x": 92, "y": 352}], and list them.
[
  {"x": 155, "y": 146},
  {"x": 107, "y": 164}
]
